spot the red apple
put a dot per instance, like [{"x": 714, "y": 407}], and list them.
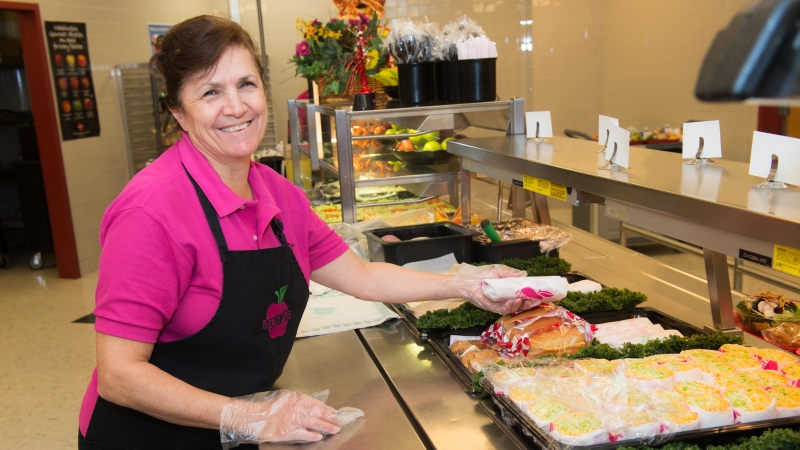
[
  {"x": 66, "y": 106},
  {"x": 58, "y": 58},
  {"x": 88, "y": 104},
  {"x": 81, "y": 61},
  {"x": 85, "y": 82},
  {"x": 73, "y": 82},
  {"x": 62, "y": 83}
]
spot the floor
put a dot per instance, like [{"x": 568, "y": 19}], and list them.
[{"x": 46, "y": 359}]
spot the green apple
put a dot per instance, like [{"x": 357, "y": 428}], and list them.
[
  {"x": 431, "y": 146},
  {"x": 444, "y": 142},
  {"x": 417, "y": 140},
  {"x": 432, "y": 136},
  {"x": 390, "y": 131},
  {"x": 396, "y": 127}
]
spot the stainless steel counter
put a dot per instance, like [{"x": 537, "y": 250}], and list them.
[
  {"x": 450, "y": 418},
  {"x": 339, "y": 362}
]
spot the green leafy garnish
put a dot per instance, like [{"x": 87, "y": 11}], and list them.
[
  {"x": 672, "y": 344},
  {"x": 464, "y": 316},
  {"x": 536, "y": 266},
  {"x": 779, "y": 439},
  {"x": 476, "y": 383},
  {"x": 607, "y": 299}
]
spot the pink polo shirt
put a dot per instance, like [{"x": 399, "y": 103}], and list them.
[{"x": 160, "y": 276}]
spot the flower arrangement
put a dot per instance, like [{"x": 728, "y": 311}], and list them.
[{"x": 327, "y": 51}]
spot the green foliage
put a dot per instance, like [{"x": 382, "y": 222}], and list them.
[
  {"x": 672, "y": 344},
  {"x": 476, "y": 383},
  {"x": 536, "y": 266},
  {"x": 608, "y": 299},
  {"x": 330, "y": 47},
  {"x": 778, "y": 439},
  {"x": 464, "y": 316}
]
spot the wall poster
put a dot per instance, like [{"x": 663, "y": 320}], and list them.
[{"x": 72, "y": 74}]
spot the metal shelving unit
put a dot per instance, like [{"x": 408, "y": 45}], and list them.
[
  {"x": 714, "y": 207},
  {"x": 328, "y": 127}
]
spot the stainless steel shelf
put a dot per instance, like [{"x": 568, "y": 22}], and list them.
[{"x": 714, "y": 207}]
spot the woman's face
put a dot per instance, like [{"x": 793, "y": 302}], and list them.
[{"x": 224, "y": 112}]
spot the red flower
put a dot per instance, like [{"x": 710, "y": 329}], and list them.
[{"x": 302, "y": 49}]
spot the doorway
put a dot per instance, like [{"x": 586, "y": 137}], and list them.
[{"x": 44, "y": 129}]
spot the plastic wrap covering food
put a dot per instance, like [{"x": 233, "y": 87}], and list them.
[
  {"x": 455, "y": 32},
  {"x": 281, "y": 416},
  {"x": 543, "y": 330},
  {"x": 533, "y": 290},
  {"x": 786, "y": 335},
  {"x": 550, "y": 238},
  {"x": 588, "y": 402},
  {"x": 411, "y": 42}
]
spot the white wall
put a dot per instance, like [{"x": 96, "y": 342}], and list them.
[{"x": 97, "y": 168}]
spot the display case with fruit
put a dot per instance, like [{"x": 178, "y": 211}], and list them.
[{"x": 391, "y": 146}]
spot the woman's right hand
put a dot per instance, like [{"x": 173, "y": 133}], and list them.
[{"x": 277, "y": 416}]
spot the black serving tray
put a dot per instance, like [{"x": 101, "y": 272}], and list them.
[
  {"x": 439, "y": 340},
  {"x": 519, "y": 428}
]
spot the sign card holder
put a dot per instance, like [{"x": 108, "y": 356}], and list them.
[
  {"x": 701, "y": 142},
  {"x": 618, "y": 151},
  {"x": 539, "y": 125},
  {"x": 776, "y": 158},
  {"x": 604, "y": 131}
]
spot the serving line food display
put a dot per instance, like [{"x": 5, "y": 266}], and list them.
[{"x": 428, "y": 380}]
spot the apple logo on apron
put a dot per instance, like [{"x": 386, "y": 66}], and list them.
[{"x": 278, "y": 315}]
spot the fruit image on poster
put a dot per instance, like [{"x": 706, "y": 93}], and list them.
[{"x": 72, "y": 74}]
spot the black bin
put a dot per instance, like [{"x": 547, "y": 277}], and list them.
[
  {"x": 477, "y": 79},
  {"x": 417, "y": 83},
  {"x": 494, "y": 252},
  {"x": 442, "y": 238},
  {"x": 274, "y": 162}
]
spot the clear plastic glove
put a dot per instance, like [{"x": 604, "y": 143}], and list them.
[
  {"x": 277, "y": 416},
  {"x": 467, "y": 283}
]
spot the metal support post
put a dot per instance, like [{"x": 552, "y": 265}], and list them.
[
  {"x": 540, "y": 208},
  {"x": 294, "y": 129},
  {"x": 466, "y": 179},
  {"x": 499, "y": 201},
  {"x": 738, "y": 276},
  {"x": 719, "y": 292},
  {"x": 347, "y": 183},
  {"x": 518, "y": 202}
]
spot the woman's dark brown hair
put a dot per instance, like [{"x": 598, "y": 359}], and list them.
[{"x": 189, "y": 50}]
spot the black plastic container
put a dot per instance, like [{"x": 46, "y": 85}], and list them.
[
  {"x": 273, "y": 162},
  {"x": 440, "y": 75},
  {"x": 417, "y": 83},
  {"x": 477, "y": 79},
  {"x": 494, "y": 252},
  {"x": 442, "y": 239},
  {"x": 453, "y": 94}
]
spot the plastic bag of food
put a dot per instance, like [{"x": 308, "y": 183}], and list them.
[
  {"x": 455, "y": 32},
  {"x": 411, "y": 42},
  {"x": 550, "y": 238},
  {"x": 785, "y": 334},
  {"x": 546, "y": 329}
]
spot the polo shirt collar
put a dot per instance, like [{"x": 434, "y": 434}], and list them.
[{"x": 222, "y": 198}]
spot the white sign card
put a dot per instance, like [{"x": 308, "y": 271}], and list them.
[
  {"x": 787, "y": 149},
  {"x": 712, "y": 142},
  {"x": 621, "y": 140},
  {"x": 604, "y": 131},
  {"x": 545, "y": 124}
]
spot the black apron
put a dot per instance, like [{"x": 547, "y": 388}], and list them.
[{"x": 241, "y": 351}]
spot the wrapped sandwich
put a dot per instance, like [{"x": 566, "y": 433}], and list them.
[
  {"x": 787, "y": 401},
  {"x": 772, "y": 359},
  {"x": 543, "y": 330},
  {"x": 712, "y": 409},
  {"x": 750, "y": 404},
  {"x": 579, "y": 428},
  {"x": 684, "y": 371},
  {"x": 792, "y": 374},
  {"x": 545, "y": 410}
]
